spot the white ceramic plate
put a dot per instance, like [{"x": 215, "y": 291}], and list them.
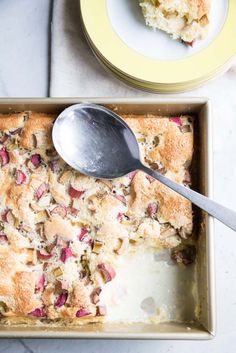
[{"x": 128, "y": 22}]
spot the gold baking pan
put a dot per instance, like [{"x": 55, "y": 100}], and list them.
[{"x": 204, "y": 327}]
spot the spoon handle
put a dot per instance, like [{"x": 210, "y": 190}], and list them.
[{"x": 223, "y": 214}]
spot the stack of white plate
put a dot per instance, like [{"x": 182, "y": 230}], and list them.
[{"x": 151, "y": 60}]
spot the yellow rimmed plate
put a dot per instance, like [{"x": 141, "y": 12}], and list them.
[
  {"x": 168, "y": 66},
  {"x": 151, "y": 87}
]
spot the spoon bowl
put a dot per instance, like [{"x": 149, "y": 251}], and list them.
[{"x": 97, "y": 142}]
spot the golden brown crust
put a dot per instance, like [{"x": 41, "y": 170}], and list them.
[
  {"x": 204, "y": 7},
  {"x": 58, "y": 191},
  {"x": 12, "y": 121},
  {"x": 18, "y": 199},
  {"x": 24, "y": 288},
  {"x": 17, "y": 283},
  {"x": 56, "y": 226},
  {"x": 147, "y": 124},
  {"x": 4, "y": 181},
  {"x": 173, "y": 149},
  {"x": 107, "y": 207},
  {"x": 15, "y": 238},
  {"x": 172, "y": 208},
  {"x": 48, "y": 296},
  {"x": 80, "y": 296},
  {"x": 36, "y": 123}
]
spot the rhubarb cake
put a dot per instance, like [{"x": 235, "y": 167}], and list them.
[
  {"x": 187, "y": 20},
  {"x": 62, "y": 232}
]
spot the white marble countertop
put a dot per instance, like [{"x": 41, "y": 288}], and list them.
[
  {"x": 24, "y": 72},
  {"x": 24, "y": 29}
]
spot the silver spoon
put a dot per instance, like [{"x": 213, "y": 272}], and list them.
[{"x": 97, "y": 142}]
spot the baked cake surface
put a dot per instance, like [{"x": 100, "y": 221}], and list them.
[
  {"x": 187, "y": 20},
  {"x": 61, "y": 232}
]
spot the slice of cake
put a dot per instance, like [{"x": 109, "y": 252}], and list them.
[{"x": 187, "y": 20}]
